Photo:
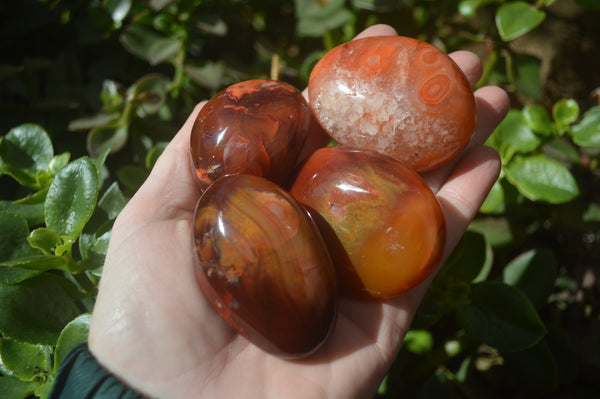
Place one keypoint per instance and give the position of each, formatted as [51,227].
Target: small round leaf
[73,334]
[515,18]
[542,179]
[565,111]
[537,119]
[587,132]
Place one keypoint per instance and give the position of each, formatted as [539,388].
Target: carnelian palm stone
[383,225]
[397,96]
[256,126]
[263,265]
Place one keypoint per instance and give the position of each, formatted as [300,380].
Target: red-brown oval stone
[383,225]
[257,127]
[263,265]
[397,96]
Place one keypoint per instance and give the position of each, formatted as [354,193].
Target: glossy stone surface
[397,96]
[257,127]
[264,266]
[385,229]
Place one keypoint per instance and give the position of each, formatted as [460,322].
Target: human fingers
[469,63]
[377,30]
[465,190]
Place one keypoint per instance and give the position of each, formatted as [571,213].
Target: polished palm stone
[397,96]
[257,127]
[263,265]
[384,227]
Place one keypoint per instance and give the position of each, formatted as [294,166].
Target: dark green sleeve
[80,376]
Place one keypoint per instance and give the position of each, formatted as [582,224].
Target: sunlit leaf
[565,111]
[537,119]
[587,132]
[540,178]
[72,197]
[74,333]
[515,18]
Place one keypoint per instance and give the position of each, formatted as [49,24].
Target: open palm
[153,328]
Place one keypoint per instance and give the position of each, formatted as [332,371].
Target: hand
[153,328]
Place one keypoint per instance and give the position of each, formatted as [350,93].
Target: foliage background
[515,311]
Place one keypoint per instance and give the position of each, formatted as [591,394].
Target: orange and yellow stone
[383,225]
[397,96]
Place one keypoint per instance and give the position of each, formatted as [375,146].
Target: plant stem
[488,68]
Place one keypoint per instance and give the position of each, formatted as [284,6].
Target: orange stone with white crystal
[397,96]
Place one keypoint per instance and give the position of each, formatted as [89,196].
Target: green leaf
[113,136]
[74,333]
[72,197]
[527,76]
[513,135]
[537,119]
[561,150]
[118,10]
[210,75]
[14,388]
[534,272]
[131,176]
[316,18]
[30,208]
[94,121]
[13,236]
[149,93]
[418,341]
[542,179]
[587,132]
[44,239]
[376,5]
[516,18]
[498,231]
[149,45]
[565,111]
[113,201]
[494,202]
[154,153]
[38,262]
[15,274]
[468,8]
[501,316]
[467,259]
[24,152]
[58,162]
[36,310]
[28,362]
[43,391]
